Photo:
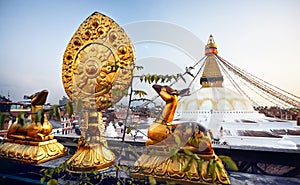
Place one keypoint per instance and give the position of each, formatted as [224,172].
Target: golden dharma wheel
[98,63]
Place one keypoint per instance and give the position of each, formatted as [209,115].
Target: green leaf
[152,78]
[43,169]
[200,164]
[163,79]
[169,78]
[142,77]
[128,130]
[188,152]
[2,120]
[52,182]
[39,117]
[175,78]
[42,180]
[177,140]
[50,114]
[79,106]
[208,167]
[175,155]
[196,157]
[139,67]
[188,165]
[95,172]
[56,111]
[152,180]
[213,170]
[64,166]
[183,79]
[69,108]
[118,167]
[170,183]
[229,162]
[148,78]
[189,175]
[140,93]
[21,119]
[172,152]
[58,171]
[51,171]
[156,78]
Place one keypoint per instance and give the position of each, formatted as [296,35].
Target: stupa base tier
[31,152]
[203,169]
[91,157]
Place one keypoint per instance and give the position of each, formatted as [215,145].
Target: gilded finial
[211,76]
[211,46]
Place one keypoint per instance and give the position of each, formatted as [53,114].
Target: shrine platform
[249,161]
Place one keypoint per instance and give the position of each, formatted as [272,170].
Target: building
[63,101]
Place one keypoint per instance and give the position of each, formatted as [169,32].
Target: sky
[261,37]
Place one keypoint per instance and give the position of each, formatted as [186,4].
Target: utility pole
[298,116]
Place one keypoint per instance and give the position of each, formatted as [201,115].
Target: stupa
[222,109]
[111,131]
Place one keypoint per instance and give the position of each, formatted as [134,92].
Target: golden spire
[211,76]
[211,46]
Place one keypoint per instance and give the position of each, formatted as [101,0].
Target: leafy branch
[160,78]
[2,120]
[141,99]
[54,110]
[139,92]
[229,162]
[21,118]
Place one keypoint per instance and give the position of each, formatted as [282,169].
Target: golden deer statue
[33,129]
[30,140]
[163,127]
[193,152]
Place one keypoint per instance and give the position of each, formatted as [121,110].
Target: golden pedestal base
[92,152]
[31,152]
[163,167]
[91,157]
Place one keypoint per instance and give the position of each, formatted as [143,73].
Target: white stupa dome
[216,99]
[214,106]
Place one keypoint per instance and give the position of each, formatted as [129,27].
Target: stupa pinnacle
[211,46]
[211,76]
